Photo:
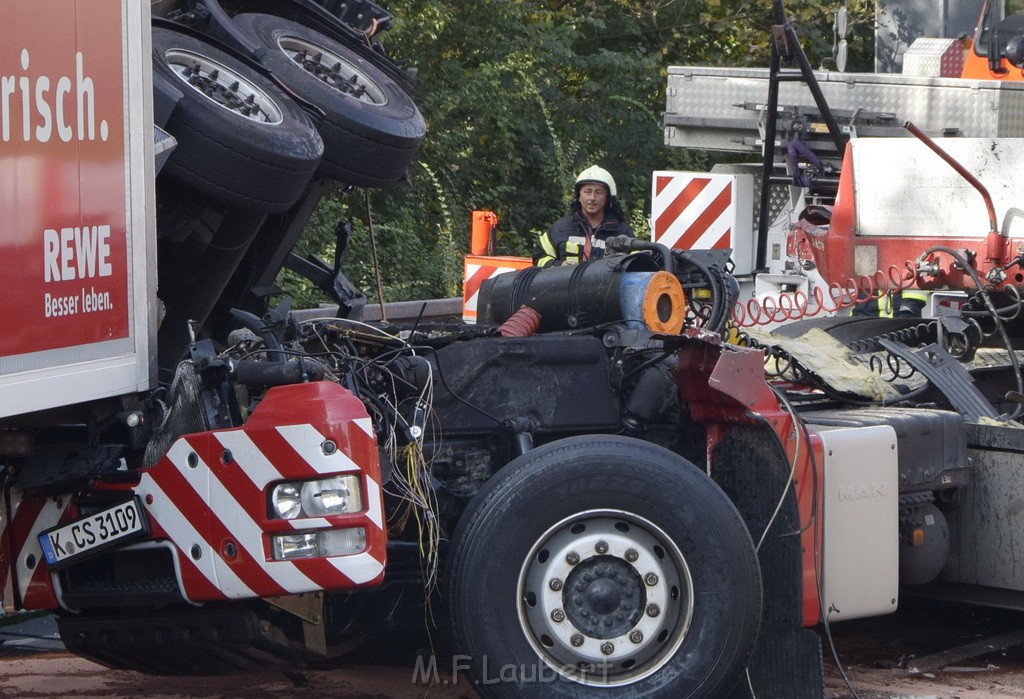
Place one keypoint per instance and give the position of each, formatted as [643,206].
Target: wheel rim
[224,87]
[605,597]
[332,69]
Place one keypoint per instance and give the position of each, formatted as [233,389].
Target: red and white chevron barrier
[30,587]
[208,500]
[700,211]
[479,268]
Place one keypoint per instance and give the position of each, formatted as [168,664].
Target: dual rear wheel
[244,142]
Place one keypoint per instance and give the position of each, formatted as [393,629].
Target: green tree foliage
[519,96]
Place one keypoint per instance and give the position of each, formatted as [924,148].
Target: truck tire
[602,567]
[371,127]
[258,159]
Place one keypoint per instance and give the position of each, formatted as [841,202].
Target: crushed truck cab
[607,485]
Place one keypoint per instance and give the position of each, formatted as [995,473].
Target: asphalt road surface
[923,651]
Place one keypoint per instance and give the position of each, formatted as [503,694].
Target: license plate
[94,533]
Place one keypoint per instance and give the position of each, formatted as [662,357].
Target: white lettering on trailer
[76,253]
[93,301]
[57,306]
[50,106]
[63,130]
[6,90]
[90,301]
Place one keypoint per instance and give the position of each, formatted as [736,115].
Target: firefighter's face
[593,198]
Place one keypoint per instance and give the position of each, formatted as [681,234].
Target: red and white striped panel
[693,211]
[210,505]
[28,583]
[479,268]
[6,579]
[701,211]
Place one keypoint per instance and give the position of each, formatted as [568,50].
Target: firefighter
[593,217]
[903,304]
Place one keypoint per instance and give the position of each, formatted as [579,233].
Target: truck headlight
[325,542]
[286,500]
[321,498]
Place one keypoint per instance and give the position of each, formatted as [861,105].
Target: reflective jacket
[565,241]
[902,304]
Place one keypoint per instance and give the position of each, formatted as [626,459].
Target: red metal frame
[724,386]
[834,254]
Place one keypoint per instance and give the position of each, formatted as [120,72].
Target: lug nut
[557,616]
[572,558]
[653,610]
[651,579]
[632,555]
[576,639]
[601,547]
[636,636]
[555,584]
[607,648]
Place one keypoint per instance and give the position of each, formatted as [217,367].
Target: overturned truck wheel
[371,128]
[241,140]
[602,566]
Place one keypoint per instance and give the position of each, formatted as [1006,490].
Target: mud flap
[787,659]
[787,663]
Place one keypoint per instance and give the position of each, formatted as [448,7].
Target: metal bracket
[309,607]
[948,376]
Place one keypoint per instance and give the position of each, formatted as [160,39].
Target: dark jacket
[902,304]
[565,241]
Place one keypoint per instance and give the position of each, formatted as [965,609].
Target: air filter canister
[608,290]
[656,298]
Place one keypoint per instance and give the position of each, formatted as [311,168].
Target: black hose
[624,242]
[1014,362]
[251,322]
[276,373]
[721,300]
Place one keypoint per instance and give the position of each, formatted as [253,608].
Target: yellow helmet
[598,175]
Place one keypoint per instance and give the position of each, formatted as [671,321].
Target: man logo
[859,491]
